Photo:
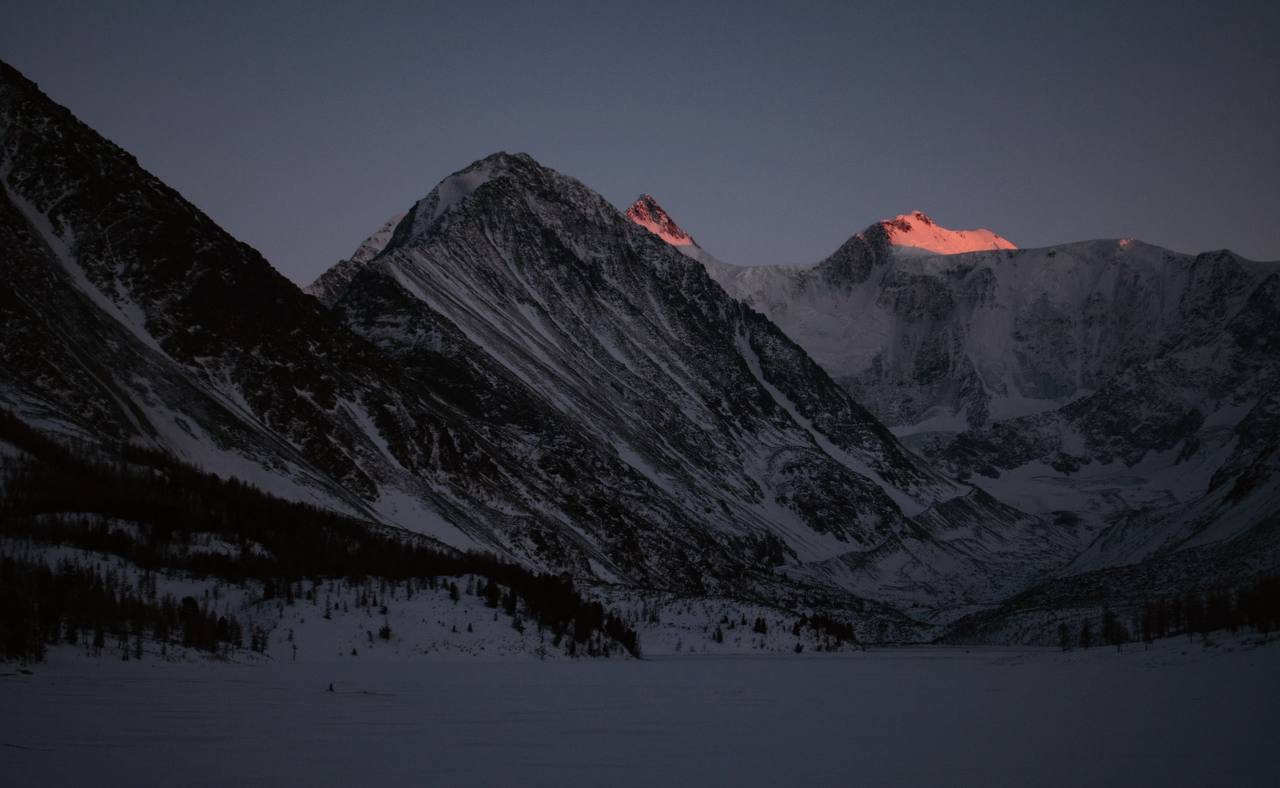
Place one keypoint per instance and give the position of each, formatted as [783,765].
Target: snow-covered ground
[1176,715]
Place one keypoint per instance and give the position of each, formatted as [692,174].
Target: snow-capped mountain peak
[420,220]
[647,213]
[455,189]
[916,231]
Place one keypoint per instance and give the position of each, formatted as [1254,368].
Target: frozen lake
[893,717]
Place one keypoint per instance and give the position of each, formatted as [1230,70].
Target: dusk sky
[771,132]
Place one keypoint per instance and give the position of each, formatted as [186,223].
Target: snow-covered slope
[1105,383]
[916,232]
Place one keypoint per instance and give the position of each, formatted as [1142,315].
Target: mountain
[514,367]
[131,315]
[1111,384]
[512,265]
[134,317]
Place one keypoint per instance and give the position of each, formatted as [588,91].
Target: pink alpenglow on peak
[646,212]
[916,231]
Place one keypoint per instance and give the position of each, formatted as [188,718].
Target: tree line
[1254,605]
[59,494]
[84,604]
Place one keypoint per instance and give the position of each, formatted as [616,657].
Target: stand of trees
[81,604]
[58,495]
[1254,605]
[836,631]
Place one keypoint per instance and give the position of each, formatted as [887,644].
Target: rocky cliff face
[646,213]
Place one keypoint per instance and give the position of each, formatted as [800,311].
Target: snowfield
[1179,714]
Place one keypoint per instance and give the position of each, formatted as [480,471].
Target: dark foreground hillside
[85,536]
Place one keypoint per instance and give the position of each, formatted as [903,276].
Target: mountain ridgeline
[514,367]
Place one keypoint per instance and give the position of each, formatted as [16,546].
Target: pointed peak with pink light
[647,213]
[916,231]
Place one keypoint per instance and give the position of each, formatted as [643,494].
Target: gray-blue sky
[771,131]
